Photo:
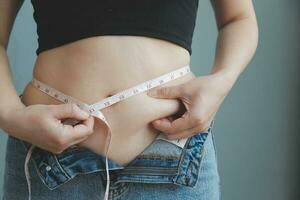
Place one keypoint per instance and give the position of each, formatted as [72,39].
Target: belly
[94,68]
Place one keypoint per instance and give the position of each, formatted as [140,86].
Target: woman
[95,49]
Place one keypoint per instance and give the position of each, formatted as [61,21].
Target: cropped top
[63,21]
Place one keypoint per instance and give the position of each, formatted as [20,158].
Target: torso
[90,69]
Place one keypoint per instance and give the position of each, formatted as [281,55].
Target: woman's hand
[41,125]
[201,96]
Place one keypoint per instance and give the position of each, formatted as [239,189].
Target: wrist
[226,77]
[6,113]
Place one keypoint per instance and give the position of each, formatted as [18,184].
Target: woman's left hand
[201,96]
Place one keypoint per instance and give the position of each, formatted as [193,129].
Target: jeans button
[48,168]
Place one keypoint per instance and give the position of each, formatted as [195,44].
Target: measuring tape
[94,110]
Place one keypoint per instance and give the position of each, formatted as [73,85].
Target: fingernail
[156,122]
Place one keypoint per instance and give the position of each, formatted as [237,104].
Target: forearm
[236,45]
[9,96]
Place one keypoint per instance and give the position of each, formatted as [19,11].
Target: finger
[89,122]
[79,131]
[192,131]
[69,110]
[166,92]
[187,133]
[170,118]
[172,127]
[87,128]
[78,140]
[162,124]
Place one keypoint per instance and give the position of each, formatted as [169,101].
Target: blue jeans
[162,171]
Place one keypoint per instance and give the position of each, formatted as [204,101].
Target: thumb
[69,110]
[166,92]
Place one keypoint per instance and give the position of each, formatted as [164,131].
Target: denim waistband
[181,167]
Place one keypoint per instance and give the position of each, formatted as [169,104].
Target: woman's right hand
[41,125]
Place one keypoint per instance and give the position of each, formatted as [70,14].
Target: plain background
[256,126]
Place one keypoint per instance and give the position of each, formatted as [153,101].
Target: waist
[107,64]
[92,76]
[97,67]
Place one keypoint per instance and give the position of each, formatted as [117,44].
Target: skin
[200,96]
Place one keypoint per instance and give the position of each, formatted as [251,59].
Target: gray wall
[256,127]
